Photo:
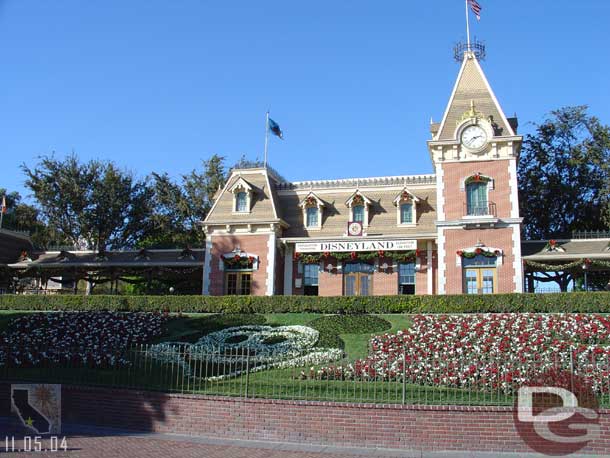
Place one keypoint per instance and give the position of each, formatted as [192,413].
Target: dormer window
[358,205]
[406,208]
[406,213]
[242,196]
[312,217]
[312,207]
[358,213]
[241,201]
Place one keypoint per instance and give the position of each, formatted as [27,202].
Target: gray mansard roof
[275,201]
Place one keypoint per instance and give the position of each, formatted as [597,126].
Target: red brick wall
[455,198]
[385,283]
[254,244]
[330,283]
[426,428]
[457,239]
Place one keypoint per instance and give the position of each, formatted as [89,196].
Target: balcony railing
[480,209]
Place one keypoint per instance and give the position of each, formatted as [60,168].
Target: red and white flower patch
[488,351]
[65,339]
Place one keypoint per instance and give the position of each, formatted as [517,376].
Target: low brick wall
[366,425]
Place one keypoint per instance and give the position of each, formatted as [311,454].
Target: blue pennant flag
[275,128]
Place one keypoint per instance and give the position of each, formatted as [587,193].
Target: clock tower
[475,149]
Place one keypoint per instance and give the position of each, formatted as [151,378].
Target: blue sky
[161,85]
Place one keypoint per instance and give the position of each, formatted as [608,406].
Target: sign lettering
[349,246]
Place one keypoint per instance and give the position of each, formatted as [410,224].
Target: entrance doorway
[358,279]
[480,276]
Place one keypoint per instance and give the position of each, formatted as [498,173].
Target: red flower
[418,252]
[354,255]
[327,254]
[459,253]
[478,251]
[552,242]
[381,253]
[237,257]
[297,255]
[251,259]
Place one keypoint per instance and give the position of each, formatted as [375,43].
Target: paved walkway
[88,442]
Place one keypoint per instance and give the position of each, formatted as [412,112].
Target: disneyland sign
[343,246]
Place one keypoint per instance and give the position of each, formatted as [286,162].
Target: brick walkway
[86,442]
[106,444]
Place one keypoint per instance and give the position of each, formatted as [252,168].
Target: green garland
[568,266]
[477,252]
[399,256]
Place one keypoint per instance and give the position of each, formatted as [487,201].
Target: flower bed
[235,350]
[93,339]
[497,352]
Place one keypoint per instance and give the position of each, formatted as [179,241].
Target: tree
[24,217]
[179,207]
[564,179]
[92,205]
[564,175]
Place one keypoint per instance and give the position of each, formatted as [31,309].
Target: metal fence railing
[240,372]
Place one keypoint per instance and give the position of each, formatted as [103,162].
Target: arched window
[312,216]
[358,213]
[476,198]
[406,213]
[241,201]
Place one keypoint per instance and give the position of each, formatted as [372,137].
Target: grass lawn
[190,327]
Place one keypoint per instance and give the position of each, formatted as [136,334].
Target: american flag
[476,8]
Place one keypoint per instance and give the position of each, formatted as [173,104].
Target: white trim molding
[271,254]
[441,271]
[517,261]
[430,267]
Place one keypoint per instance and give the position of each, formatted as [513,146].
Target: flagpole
[467,25]
[266,138]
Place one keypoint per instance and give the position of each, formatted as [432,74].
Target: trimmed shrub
[585,302]
[330,326]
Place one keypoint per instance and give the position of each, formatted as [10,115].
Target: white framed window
[312,207]
[312,216]
[358,213]
[406,213]
[242,196]
[358,205]
[241,201]
[406,208]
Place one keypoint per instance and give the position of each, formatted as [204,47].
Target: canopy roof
[125,259]
[565,249]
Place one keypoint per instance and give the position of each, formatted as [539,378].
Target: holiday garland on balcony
[398,256]
[477,252]
[239,262]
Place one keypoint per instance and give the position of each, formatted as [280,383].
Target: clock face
[474,137]
[354,228]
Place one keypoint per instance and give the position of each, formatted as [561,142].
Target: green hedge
[556,302]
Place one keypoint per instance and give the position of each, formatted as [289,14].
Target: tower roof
[471,88]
